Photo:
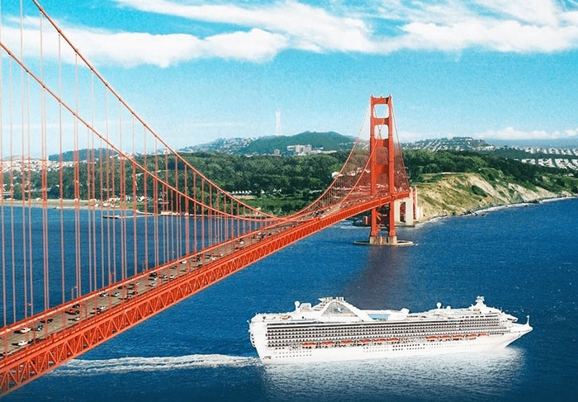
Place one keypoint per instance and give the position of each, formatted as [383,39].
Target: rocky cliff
[459,194]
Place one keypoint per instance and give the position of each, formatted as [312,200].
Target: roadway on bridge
[36,329]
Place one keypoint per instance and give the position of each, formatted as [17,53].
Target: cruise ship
[335,330]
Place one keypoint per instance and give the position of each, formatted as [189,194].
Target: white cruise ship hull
[334,330]
[384,350]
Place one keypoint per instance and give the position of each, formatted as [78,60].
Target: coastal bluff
[452,194]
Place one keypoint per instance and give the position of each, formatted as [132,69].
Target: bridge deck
[86,322]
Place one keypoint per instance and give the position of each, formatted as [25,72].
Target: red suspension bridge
[119,226]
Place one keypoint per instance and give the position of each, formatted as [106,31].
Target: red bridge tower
[388,178]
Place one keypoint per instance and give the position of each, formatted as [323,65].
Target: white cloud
[503,36]
[407,136]
[510,133]
[130,49]
[306,27]
[257,33]
[539,12]
[520,26]
[256,45]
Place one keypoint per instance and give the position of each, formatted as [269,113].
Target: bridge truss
[118,226]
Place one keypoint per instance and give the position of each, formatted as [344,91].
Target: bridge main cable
[127,227]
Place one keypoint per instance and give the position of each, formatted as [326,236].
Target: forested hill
[288,175]
[319,142]
[284,184]
[492,167]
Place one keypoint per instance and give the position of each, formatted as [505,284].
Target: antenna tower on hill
[278,122]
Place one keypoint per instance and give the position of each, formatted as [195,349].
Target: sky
[199,70]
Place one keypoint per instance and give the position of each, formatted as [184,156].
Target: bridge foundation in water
[385,241]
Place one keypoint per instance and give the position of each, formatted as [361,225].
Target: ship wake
[142,364]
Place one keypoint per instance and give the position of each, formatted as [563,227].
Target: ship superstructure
[335,330]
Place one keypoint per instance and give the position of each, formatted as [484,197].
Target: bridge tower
[382,169]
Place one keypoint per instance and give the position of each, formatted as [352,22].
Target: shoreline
[65,204]
[69,204]
[477,212]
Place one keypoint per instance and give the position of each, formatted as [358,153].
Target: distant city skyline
[196,71]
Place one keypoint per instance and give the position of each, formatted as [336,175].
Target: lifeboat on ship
[471,336]
[392,340]
[308,344]
[327,343]
[445,338]
[346,342]
[457,337]
[431,338]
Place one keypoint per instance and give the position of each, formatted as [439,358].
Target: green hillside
[282,184]
[320,142]
[329,141]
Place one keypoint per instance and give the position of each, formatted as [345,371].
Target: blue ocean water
[523,259]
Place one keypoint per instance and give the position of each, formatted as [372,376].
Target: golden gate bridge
[119,226]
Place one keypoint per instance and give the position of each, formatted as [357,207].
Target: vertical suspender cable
[175,232]
[44,173]
[112,223]
[166,221]
[156,207]
[90,196]
[106,196]
[101,195]
[202,205]
[187,208]
[218,217]
[166,209]
[76,184]
[2,190]
[195,206]
[22,166]
[27,203]
[61,181]
[12,188]
[122,198]
[210,216]
[145,201]
[134,206]
[166,206]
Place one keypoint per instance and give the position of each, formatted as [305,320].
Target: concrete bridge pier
[385,241]
[376,221]
[395,215]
